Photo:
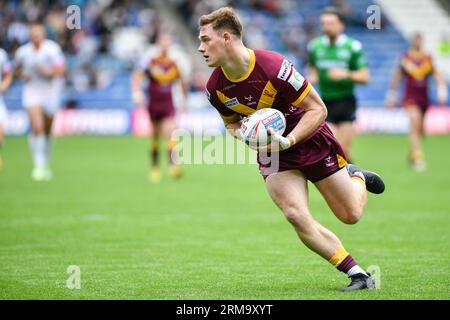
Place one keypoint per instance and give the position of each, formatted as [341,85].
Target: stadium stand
[429,18]
[98,73]
[99,68]
[287,26]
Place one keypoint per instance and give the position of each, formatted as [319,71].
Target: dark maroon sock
[346,264]
[154,155]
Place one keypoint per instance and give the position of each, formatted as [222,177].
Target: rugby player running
[309,151]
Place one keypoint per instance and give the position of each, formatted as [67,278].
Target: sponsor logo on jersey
[296,80]
[343,54]
[249,99]
[231,102]
[229,87]
[320,52]
[284,70]
[269,94]
[328,64]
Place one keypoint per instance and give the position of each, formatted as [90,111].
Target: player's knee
[353,216]
[296,215]
[350,219]
[37,130]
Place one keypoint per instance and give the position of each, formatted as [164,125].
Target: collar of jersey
[340,40]
[249,71]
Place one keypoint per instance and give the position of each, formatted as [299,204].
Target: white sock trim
[355,270]
[37,147]
[360,175]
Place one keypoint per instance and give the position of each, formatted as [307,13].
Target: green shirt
[345,53]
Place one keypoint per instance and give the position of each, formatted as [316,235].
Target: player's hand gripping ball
[254,127]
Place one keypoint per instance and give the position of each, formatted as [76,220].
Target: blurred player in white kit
[5,82]
[41,64]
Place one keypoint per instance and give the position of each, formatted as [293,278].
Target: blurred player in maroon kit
[246,80]
[416,67]
[164,67]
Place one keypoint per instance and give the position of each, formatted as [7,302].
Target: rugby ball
[254,127]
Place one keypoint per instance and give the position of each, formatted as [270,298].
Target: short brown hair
[334,11]
[223,19]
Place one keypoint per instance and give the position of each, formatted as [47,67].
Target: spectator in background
[416,67]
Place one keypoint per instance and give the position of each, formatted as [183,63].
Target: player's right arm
[392,94]
[7,74]
[234,129]
[57,65]
[313,76]
[231,119]
[232,123]
[17,62]
[137,94]
[139,74]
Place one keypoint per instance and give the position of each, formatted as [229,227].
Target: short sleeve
[290,84]
[358,59]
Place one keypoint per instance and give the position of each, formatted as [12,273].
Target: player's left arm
[298,92]
[315,114]
[361,76]
[6,82]
[442,91]
[359,70]
[58,66]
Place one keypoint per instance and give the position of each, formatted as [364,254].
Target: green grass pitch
[215,234]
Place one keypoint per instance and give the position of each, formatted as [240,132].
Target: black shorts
[341,110]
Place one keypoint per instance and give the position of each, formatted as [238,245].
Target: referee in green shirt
[337,62]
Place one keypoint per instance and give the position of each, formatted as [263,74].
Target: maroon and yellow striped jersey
[417,68]
[270,82]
